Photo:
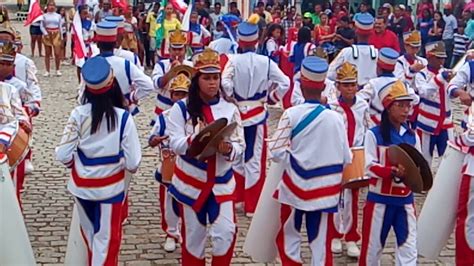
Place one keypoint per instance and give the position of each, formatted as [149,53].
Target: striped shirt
[461,42]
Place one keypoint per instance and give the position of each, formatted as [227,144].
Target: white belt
[245,106]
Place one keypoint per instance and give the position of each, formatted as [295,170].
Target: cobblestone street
[48,205]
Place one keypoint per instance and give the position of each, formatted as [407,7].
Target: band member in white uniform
[205,189]
[355,112]
[247,78]
[311,184]
[410,63]
[133,82]
[227,44]
[361,54]
[169,208]
[434,121]
[100,144]
[390,204]
[161,73]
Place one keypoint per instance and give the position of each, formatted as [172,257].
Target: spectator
[291,38]
[345,35]
[410,26]
[469,7]
[276,15]
[307,21]
[461,44]
[315,16]
[169,23]
[436,31]
[382,37]
[105,11]
[387,13]
[424,5]
[204,17]
[448,33]
[216,15]
[288,21]
[322,32]
[363,9]
[271,42]
[151,27]
[268,14]
[469,31]
[425,23]
[302,48]
[398,24]
[233,10]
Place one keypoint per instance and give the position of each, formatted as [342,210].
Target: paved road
[48,206]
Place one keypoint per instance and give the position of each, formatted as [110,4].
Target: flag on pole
[34,12]
[187,17]
[123,4]
[80,50]
[179,5]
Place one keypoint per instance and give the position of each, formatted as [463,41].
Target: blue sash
[307,120]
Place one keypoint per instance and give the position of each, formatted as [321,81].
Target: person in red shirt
[424,4]
[382,37]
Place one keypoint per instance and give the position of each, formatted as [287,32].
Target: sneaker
[46,74]
[29,167]
[353,250]
[170,244]
[336,246]
[58,73]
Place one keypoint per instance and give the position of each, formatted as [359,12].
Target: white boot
[170,244]
[336,246]
[353,250]
[29,167]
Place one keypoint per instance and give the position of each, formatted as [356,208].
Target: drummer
[355,112]
[179,87]
[11,113]
[311,184]
[389,202]
[205,189]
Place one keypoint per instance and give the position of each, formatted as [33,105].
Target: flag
[123,4]
[187,17]
[179,5]
[34,12]
[79,45]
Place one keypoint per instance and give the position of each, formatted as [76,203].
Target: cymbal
[421,163]
[202,138]
[412,179]
[182,69]
[212,146]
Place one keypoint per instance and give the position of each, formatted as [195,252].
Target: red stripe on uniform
[189,180]
[96,182]
[252,113]
[285,212]
[311,194]
[366,227]
[351,124]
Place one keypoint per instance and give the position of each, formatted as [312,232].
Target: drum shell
[438,215]
[167,166]
[355,171]
[260,241]
[19,148]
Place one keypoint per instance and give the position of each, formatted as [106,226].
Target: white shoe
[170,244]
[46,74]
[58,73]
[29,167]
[353,250]
[336,246]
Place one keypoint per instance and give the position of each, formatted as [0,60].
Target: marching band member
[355,112]
[363,55]
[205,189]
[310,185]
[434,122]
[199,36]
[161,74]
[12,114]
[246,78]
[410,63]
[118,51]
[227,44]
[389,202]
[51,28]
[178,89]
[133,82]
[100,143]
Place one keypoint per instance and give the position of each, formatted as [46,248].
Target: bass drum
[260,241]
[19,148]
[438,214]
[15,246]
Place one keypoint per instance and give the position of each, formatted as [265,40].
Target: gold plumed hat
[180,83]
[7,51]
[177,38]
[207,61]
[436,49]
[394,91]
[346,73]
[319,52]
[412,38]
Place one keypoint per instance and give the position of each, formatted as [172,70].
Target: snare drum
[19,148]
[353,174]
[167,165]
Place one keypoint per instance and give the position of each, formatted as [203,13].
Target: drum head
[212,146]
[206,135]
[413,180]
[421,163]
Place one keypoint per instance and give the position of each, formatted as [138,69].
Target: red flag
[123,4]
[79,45]
[34,12]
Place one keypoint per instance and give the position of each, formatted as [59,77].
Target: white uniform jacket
[247,77]
[193,181]
[356,119]
[25,70]
[99,160]
[296,97]
[434,112]
[363,56]
[163,98]
[402,68]
[130,56]
[11,112]
[28,99]
[310,182]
